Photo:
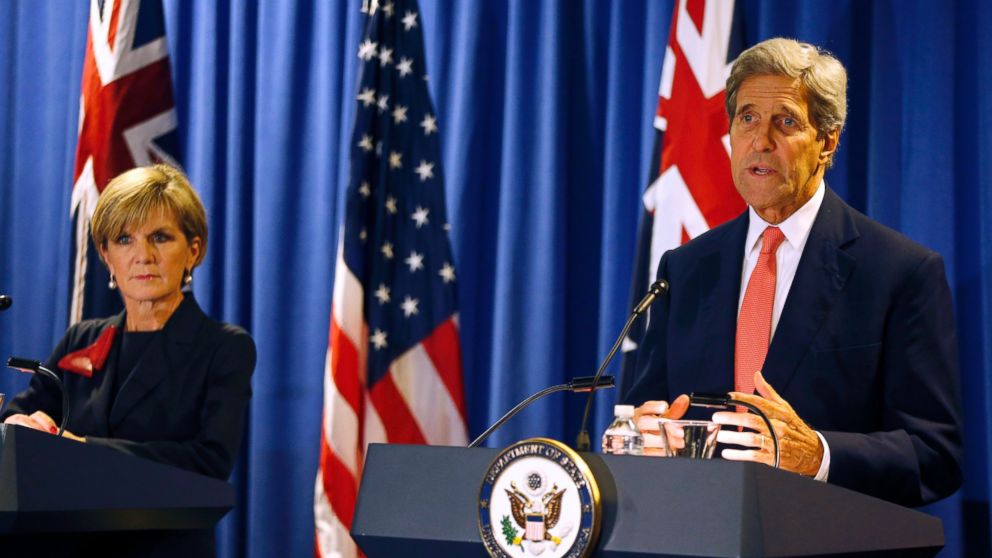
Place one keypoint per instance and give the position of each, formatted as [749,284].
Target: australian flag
[691,189]
[127,119]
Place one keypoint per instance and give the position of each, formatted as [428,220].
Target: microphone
[657,289]
[5,302]
[585,383]
[35,367]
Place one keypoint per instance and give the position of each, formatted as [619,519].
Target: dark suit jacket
[865,349]
[183,404]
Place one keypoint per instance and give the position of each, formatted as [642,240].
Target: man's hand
[800,447]
[647,416]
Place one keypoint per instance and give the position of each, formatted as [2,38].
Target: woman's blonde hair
[133,196]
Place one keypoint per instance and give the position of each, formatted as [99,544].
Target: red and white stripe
[420,401]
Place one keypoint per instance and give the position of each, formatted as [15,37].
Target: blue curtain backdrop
[545,110]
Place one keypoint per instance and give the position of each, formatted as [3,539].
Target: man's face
[775,157]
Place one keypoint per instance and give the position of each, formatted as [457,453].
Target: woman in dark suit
[161,380]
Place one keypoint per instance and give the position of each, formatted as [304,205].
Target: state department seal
[539,498]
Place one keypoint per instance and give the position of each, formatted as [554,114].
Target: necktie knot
[771,239]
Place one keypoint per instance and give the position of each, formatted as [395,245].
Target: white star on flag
[365,190]
[420,216]
[409,306]
[387,250]
[362,235]
[391,205]
[367,97]
[429,124]
[382,293]
[425,170]
[385,56]
[415,261]
[447,273]
[366,51]
[382,104]
[399,114]
[395,160]
[388,9]
[366,143]
[378,339]
[410,20]
[405,67]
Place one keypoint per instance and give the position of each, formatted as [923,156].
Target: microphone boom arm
[657,289]
[35,367]
[584,383]
[722,400]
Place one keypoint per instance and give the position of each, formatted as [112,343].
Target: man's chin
[761,193]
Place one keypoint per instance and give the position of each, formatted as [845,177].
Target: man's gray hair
[822,76]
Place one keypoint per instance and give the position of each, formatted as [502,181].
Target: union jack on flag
[691,188]
[393,367]
[126,119]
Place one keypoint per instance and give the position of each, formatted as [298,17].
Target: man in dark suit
[849,320]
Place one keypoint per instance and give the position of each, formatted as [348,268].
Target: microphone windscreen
[24,364]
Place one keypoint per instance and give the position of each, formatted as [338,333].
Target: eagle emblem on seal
[536,510]
[539,499]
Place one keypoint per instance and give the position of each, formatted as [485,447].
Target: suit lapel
[824,268]
[718,277]
[167,354]
[101,398]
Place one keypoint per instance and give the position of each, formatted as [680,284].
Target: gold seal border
[579,463]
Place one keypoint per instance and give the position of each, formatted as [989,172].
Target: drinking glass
[695,439]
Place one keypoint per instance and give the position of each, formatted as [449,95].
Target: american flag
[393,367]
[691,189]
[126,119]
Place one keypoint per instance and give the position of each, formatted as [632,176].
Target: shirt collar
[795,228]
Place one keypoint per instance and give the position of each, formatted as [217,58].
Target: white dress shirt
[796,230]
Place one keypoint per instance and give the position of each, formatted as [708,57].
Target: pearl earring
[112,284]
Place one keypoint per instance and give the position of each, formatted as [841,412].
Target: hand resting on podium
[39,420]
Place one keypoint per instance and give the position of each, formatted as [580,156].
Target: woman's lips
[145,277]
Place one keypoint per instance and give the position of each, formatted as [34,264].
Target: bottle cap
[623,411]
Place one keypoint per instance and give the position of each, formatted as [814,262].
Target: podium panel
[423,501]
[51,485]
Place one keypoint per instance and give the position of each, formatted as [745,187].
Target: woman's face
[148,259]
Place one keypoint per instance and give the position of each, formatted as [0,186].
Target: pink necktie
[754,325]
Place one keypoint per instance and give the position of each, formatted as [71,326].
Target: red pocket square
[86,360]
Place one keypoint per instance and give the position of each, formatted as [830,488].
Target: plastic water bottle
[623,437]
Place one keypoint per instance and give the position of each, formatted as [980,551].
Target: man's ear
[830,141]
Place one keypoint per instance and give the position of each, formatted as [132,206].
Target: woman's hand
[40,420]
[37,420]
